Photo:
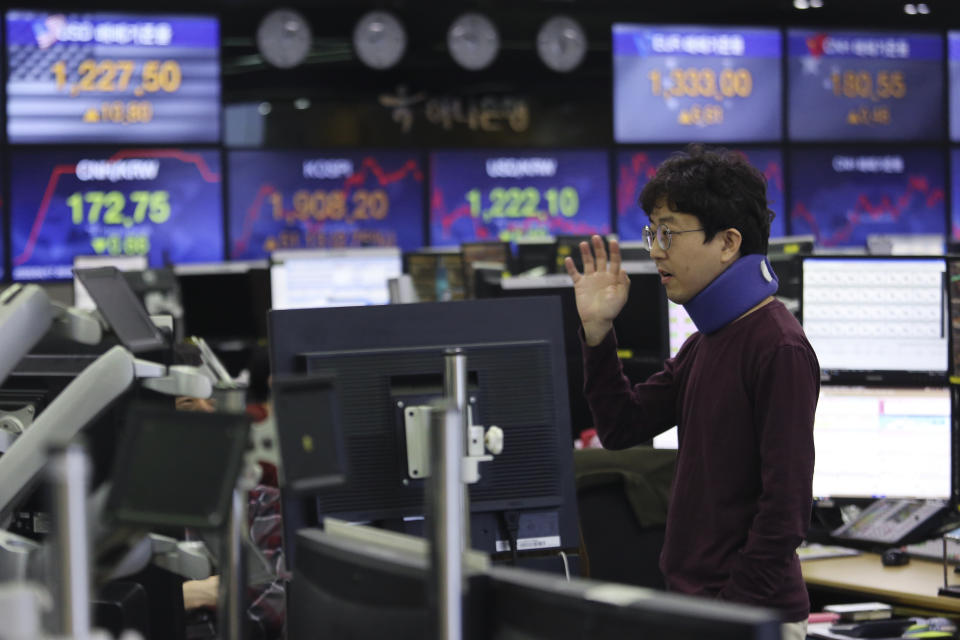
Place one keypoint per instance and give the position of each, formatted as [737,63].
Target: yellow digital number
[853,83]
[523,202]
[692,82]
[114,76]
[87,207]
[370,205]
[161,76]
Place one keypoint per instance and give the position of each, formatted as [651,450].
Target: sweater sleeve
[625,415]
[786,399]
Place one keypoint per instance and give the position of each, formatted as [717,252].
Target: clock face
[379,40]
[561,43]
[284,38]
[473,41]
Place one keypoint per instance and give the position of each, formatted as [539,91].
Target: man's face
[689,264]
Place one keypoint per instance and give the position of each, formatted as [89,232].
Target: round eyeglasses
[664,236]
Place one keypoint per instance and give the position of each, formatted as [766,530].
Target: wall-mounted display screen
[953,54]
[110,77]
[635,168]
[507,195]
[855,85]
[675,83]
[162,203]
[313,199]
[843,195]
[955,202]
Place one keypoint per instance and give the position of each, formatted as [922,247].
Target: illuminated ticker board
[508,195]
[953,54]
[113,78]
[162,203]
[853,85]
[843,194]
[677,83]
[323,199]
[636,167]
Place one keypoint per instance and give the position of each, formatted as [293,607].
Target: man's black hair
[717,186]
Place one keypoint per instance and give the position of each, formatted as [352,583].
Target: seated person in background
[266,609]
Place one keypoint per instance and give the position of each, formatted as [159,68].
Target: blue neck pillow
[735,291]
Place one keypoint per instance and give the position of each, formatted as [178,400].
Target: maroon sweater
[744,399]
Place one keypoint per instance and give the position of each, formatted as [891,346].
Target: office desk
[913,585]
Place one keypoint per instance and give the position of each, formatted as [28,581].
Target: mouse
[894,557]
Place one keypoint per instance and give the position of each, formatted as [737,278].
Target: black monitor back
[525,605]
[387,357]
[226,305]
[535,253]
[122,309]
[641,328]
[343,588]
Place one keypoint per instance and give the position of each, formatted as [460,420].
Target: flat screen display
[165,204]
[675,83]
[955,203]
[953,62]
[876,315]
[112,77]
[901,438]
[842,195]
[315,199]
[635,168]
[507,195]
[859,85]
[333,277]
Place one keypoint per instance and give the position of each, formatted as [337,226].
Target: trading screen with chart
[882,442]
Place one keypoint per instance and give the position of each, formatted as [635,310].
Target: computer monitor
[387,358]
[786,257]
[876,442]
[877,319]
[352,587]
[437,273]
[906,244]
[310,430]
[569,246]
[225,301]
[161,481]
[641,328]
[122,309]
[680,326]
[347,587]
[535,253]
[486,253]
[332,277]
[953,295]
[528,605]
[82,299]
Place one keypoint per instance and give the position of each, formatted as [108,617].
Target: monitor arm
[75,324]
[175,380]
[481,443]
[80,402]
[25,316]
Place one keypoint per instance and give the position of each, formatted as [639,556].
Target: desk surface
[914,584]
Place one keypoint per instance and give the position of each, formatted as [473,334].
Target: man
[742,390]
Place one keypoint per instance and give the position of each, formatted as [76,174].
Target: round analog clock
[473,41]
[379,39]
[284,38]
[561,43]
